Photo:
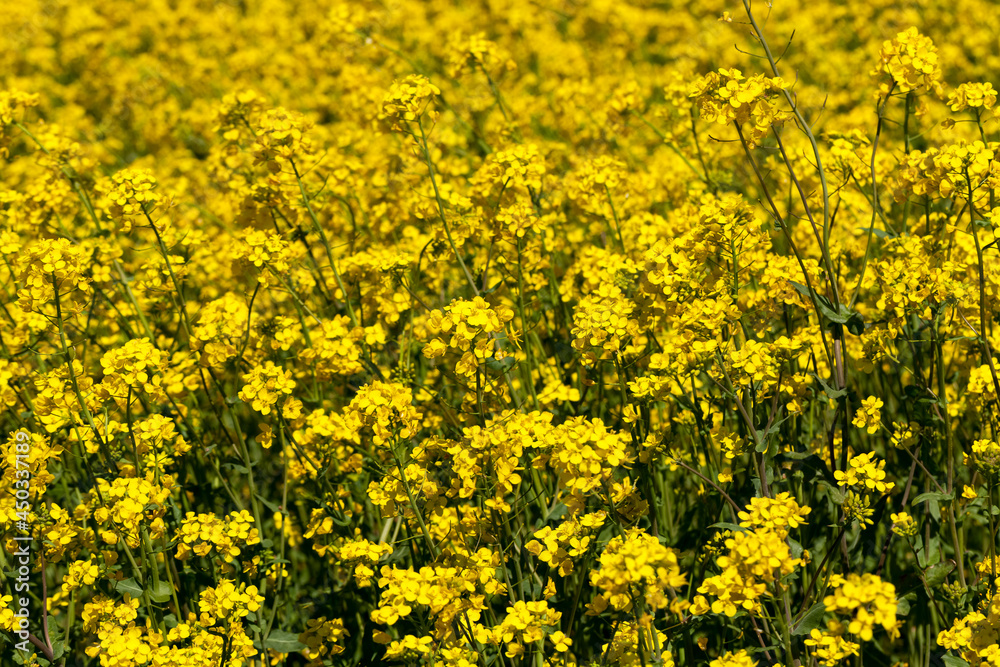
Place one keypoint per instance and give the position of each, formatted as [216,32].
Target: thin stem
[440,205]
[874,199]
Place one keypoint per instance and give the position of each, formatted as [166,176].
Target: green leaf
[932,495]
[800,288]
[500,365]
[283,642]
[902,607]
[831,393]
[835,494]
[826,308]
[928,555]
[58,650]
[795,456]
[810,620]
[856,324]
[936,574]
[728,526]
[842,315]
[161,592]
[267,503]
[775,429]
[129,586]
[558,511]
[952,661]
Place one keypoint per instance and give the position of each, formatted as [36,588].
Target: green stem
[440,205]
[326,243]
[874,199]
[182,302]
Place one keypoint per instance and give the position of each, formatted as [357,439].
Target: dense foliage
[499,333]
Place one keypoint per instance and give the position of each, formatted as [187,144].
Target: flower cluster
[865,473]
[365,554]
[266,249]
[986,457]
[279,139]
[726,96]
[869,415]
[446,592]
[49,269]
[636,564]
[972,96]
[779,514]
[753,362]
[976,636]
[136,367]
[903,524]
[228,602]
[561,547]
[911,61]
[754,560]
[12,106]
[586,453]
[265,386]
[406,102]
[866,601]
[132,196]
[951,171]
[473,327]
[199,534]
[524,625]
[476,52]
[322,638]
[604,323]
[830,646]
[387,409]
[127,503]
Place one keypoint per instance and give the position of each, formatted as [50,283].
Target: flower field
[500,333]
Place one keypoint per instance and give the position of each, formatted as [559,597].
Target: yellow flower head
[911,60]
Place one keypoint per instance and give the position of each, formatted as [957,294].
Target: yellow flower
[831,647]
[869,415]
[227,601]
[727,97]
[904,525]
[986,457]
[972,96]
[279,139]
[866,473]
[866,601]
[739,659]
[12,105]
[779,514]
[637,563]
[911,60]
[560,641]
[754,559]
[132,196]
[406,101]
[265,386]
